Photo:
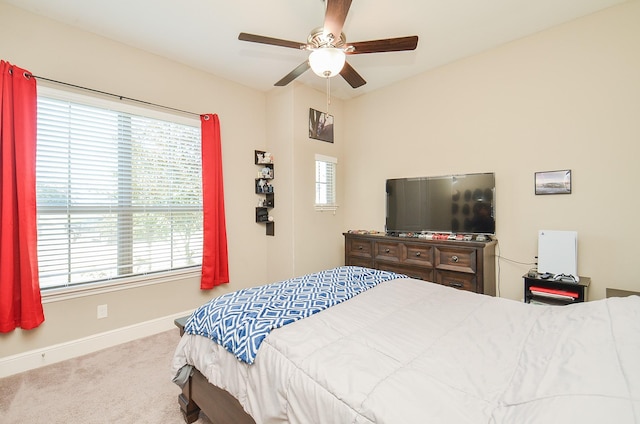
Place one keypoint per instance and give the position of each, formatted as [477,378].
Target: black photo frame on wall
[553,182]
[320,126]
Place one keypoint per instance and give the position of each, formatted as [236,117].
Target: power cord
[500,257]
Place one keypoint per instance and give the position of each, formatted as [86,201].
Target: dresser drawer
[418,255]
[457,280]
[456,259]
[357,261]
[425,274]
[388,251]
[359,247]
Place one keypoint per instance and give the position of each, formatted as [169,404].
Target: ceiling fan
[328,46]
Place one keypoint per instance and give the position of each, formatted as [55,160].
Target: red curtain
[215,263]
[20,301]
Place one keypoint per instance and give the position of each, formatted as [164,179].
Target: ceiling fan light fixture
[327,62]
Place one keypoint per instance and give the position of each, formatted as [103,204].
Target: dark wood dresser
[466,265]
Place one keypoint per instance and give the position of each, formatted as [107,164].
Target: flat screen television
[445,204]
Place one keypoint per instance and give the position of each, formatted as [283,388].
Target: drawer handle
[456,284]
[454,259]
[360,248]
[386,250]
[418,254]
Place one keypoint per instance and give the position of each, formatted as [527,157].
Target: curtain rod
[114,95]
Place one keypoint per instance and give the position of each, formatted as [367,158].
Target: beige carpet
[129,383]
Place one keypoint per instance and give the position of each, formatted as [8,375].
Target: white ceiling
[204,33]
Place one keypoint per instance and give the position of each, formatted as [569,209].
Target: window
[326,183]
[119,193]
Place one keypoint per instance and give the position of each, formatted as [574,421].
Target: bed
[410,351]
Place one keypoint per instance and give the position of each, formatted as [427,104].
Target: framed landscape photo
[553,182]
[320,126]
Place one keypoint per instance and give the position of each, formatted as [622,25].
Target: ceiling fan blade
[269,40]
[334,17]
[301,69]
[351,76]
[386,45]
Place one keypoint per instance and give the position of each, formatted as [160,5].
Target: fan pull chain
[328,94]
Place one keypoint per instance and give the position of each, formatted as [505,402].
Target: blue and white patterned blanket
[240,321]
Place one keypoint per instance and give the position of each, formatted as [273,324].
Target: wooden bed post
[217,404]
[190,411]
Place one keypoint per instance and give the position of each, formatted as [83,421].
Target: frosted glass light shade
[327,62]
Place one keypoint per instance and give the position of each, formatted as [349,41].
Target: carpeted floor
[128,383]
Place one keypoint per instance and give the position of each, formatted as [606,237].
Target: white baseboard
[37,358]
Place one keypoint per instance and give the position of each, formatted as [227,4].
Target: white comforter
[414,352]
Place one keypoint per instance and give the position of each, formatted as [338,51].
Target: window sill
[323,208]
[91,289]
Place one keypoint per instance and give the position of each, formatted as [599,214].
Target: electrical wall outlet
[103,312]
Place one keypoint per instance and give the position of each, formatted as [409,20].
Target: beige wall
[317,235]
[306,241]
[280,130]
[566,98]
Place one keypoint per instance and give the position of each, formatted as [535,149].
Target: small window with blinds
[118,193]
[326,183]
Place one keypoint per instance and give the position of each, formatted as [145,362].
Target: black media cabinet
[553,292]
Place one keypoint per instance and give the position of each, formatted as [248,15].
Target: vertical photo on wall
[320,126]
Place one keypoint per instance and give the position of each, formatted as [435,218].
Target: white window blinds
[326,183]
[118,194]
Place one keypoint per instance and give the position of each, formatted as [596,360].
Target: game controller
[565,278]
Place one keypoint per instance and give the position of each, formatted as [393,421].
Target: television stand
[463,264]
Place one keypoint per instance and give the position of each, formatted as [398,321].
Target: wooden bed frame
[200,395]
